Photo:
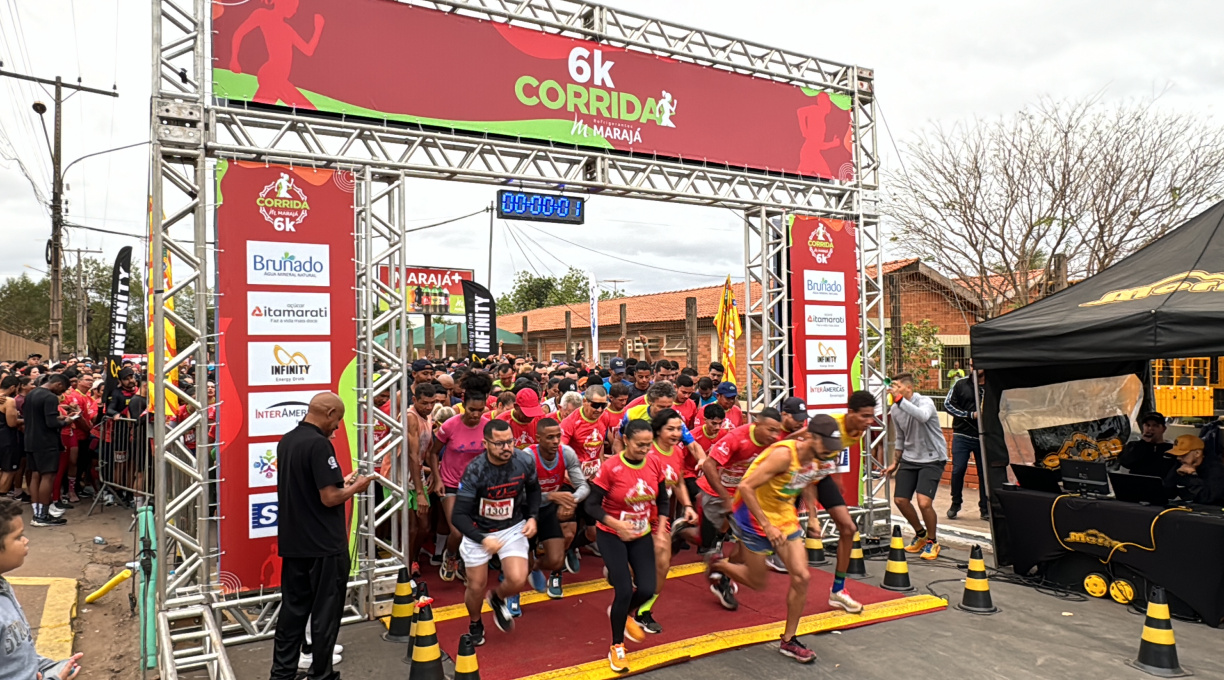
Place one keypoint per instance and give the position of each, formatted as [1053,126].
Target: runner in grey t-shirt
[918,463]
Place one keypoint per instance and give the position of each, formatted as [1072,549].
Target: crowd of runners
[529,468]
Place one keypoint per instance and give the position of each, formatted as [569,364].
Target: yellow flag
[727,322]
[171,343]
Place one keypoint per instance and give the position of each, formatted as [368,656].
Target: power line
[633,262]
[453,219]
[580,315]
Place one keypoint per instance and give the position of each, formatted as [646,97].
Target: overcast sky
[935,63]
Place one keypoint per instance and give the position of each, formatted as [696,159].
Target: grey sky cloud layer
[934,63]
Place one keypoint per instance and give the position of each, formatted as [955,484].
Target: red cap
[528,402]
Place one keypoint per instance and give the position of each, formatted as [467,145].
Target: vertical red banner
[285,315]
[825,336]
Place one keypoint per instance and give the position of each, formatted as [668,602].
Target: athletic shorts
[44,462]
[713,510]
[514,544]
[10,459]
[921,477]
[450,491]
[757,543]
[547,525]
[829,493]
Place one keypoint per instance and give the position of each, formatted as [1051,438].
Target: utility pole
[57,197]
[82,322]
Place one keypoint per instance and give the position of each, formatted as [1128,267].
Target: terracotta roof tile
[651,308]
[890,267]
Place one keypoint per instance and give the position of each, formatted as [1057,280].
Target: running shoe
[538,581]
[774,562]
[797,650]
[512,604]
[633,631]
[616,659]
[476,632]
[918,543]
[416,570]
[501,613]
[450,565]
[647,622]
[842,600]
[724,590]
[954,510]
[554,588]
[594,550]
[304,660]
[435,559]
[41,521]
[930,551]
[572,561]
[677,529]
[56,509]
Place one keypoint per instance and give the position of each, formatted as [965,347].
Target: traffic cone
[896,572]
[815,551]
[466,667]
[422,590]
[400,627]
[858,566]
[977,586]
[1157,651]
[426,654]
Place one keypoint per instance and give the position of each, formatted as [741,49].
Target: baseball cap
[617,365]
[1153,416]
[422,365]
[528,401]
[795,407]
[727,389]
[1185,444]
[825,427]
[567,385]
[125,373]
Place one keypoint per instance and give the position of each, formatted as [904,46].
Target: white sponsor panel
[261,464]
[263,515]
[824,320]
[826,355]
[288,363]
[288,313]
[824,286]
[272,414]
[828,389]
[288,264]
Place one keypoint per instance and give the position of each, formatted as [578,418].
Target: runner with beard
[559,502]
[628,499]
[456,444]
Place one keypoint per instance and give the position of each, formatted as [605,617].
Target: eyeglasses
[501,445]
[598,405]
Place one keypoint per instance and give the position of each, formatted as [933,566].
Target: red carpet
[562,633]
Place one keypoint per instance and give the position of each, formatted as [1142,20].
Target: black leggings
[621,557]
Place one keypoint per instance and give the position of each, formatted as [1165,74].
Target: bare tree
[989,202]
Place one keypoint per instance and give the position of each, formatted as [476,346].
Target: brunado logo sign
[1196,281]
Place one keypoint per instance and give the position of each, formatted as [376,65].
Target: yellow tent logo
[1196,281]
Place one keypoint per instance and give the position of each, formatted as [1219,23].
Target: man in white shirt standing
[918,462]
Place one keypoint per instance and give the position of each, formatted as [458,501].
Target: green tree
[531,291]
[919,347]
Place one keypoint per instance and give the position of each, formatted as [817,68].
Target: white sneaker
[304,661]
[55,510]
[842,600]
[774,562]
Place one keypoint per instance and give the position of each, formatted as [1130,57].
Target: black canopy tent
[1165,300]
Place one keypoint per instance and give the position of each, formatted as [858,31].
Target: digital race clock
[528,205]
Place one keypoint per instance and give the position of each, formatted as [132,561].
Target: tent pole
[984,471]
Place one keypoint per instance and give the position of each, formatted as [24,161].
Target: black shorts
[921,477]
[44,462]
[548,526]
[10,458]
[829,493]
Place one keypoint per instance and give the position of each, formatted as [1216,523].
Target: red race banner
[431,290]
[285,318]
[825,325]
[391,61]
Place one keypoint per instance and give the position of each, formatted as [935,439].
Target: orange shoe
[633,630]
[930,551]
[616,659]
[917,544]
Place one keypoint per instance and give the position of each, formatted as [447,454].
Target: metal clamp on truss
[178,123]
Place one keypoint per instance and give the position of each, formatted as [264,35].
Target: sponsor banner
[120,298]
[276,263]
[824,320]
[262,515]
[261,470]
[272,414]
[827,389]
[823,286]
[285,324]
[492,78]
[288,363]
[481,320]
[826,355]
[430,290]
[277,313]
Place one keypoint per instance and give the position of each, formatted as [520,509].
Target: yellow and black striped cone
[1157,651]
[815,551]
[426,654]
[466,667]
[858,565]
[896,571]
[400,627]
[977,586]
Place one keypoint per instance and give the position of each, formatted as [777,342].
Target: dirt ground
[105,631]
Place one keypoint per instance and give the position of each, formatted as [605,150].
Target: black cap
[825,427]
[795,407]
[422,365]
[125,373]
[567,385]
[1153,416]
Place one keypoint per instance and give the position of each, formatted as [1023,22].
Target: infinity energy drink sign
[391,61]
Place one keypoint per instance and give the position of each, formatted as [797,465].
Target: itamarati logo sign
[1196,281]
[283,204]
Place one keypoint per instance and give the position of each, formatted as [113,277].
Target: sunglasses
[597,405]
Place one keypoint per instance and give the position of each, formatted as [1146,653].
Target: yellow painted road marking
[54,639]
[712,643]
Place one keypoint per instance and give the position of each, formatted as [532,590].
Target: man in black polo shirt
[1149,455]
[312,540]
[43,423]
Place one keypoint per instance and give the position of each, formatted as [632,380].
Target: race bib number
[497,510]
[590,468]
[639,522]
[730,480]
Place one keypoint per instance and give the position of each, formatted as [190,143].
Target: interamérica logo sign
[1196,281]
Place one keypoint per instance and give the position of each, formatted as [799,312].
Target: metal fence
[125,457]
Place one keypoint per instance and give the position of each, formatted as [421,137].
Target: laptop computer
[1081,476]
[1036,478]
[1139,489]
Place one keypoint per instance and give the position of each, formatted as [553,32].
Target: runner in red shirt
[686,405]
[586,430]
[618,403]
[727,394]
[523,416]
[707,436]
